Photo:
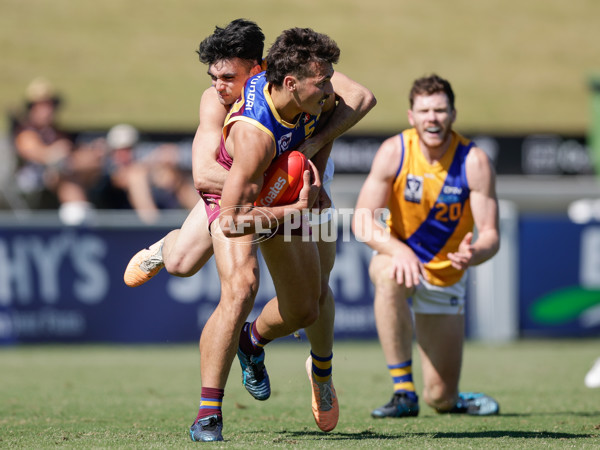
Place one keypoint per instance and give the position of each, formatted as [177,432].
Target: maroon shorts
[212,205]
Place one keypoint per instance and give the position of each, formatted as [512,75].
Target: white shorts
[431,299]
[328,178]
[327,214]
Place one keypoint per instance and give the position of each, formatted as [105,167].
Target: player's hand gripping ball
[283,180]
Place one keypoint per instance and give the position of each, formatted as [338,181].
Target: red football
[283,180]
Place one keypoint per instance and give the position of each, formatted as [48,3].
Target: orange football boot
[144,265]
[324,401]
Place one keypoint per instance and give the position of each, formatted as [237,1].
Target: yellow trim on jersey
[274,111]
[415,202]
[253,122]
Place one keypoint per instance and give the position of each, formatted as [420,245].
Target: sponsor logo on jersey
[452,190]
[451,194]
[284,142]
[251,93]
[413,192]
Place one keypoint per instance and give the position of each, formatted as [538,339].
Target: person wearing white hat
[150,184]
[122,136]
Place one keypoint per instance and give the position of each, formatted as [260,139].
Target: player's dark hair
[294,50]
[430,85]
[239,39]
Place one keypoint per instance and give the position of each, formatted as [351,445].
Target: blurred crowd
[54,170]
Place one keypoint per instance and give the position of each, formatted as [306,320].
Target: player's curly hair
[241,38]
[430,85]
[294,50]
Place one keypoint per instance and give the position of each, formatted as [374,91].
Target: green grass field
[147,396]
[516,66]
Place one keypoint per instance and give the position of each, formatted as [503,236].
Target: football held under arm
[252,151]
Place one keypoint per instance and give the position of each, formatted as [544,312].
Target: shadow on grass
[504,433]
[366,435]
[557,413]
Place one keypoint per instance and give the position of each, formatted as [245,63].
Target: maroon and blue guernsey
[255,106]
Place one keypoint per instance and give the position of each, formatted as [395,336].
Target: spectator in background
[52,172]
[42,149]
[147,185]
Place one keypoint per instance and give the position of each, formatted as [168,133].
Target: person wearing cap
[152,184]
[42,149]
[52,171]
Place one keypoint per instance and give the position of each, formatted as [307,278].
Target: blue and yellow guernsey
[255,106]
[429,205]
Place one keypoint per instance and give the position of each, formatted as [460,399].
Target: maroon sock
[251,342]
[210,402]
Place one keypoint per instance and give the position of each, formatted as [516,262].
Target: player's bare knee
[307,318]
[243,294]
[379,264]
[240,290]
[382,280]
[311,317]
[176,265]
[302,315]
[237,299]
